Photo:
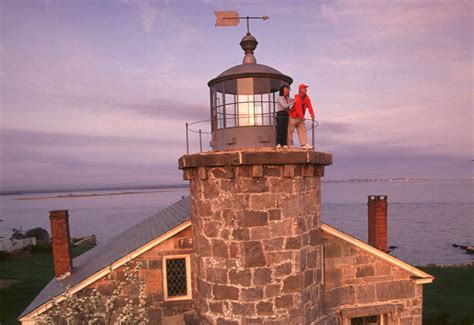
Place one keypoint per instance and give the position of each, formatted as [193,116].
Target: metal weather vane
[232,18]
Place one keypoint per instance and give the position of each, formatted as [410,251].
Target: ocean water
[102,215]
[425,216]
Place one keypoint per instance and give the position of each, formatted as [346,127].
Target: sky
[97,93]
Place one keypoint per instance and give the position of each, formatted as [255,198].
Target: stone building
[161,243]
[262,255]
[261,282]
[248,245]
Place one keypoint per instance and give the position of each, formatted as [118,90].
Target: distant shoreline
[73,196]
[179,186]
[376,180]
[94,189]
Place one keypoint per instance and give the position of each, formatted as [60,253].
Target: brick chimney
[378,230]
[256,235]
[61,243]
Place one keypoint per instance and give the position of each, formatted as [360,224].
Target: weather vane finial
[248,42]
[232,18]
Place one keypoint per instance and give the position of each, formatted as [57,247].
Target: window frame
[189,294]
[380,319]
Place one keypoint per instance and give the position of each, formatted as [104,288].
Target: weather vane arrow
[232,18]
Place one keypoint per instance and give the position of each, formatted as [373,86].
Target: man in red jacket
[302,102]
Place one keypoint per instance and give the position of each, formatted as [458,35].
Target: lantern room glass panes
[258,109]
[220,109]
[230,111]
[245,102]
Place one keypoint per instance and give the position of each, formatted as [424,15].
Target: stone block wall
[357,283]
[256,236]
[159,311]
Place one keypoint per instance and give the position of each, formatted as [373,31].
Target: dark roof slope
[96,259]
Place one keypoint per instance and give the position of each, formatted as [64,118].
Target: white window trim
[188,278]
[323,278]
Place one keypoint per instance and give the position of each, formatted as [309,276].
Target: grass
[22,278]
[450,298]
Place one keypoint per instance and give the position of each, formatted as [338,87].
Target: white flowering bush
[91,308]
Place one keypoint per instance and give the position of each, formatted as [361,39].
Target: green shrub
[467,321]
[4,255]
[438,318]
[17,233]
[38,233]
[39,248]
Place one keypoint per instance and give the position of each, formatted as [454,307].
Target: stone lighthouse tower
[255,210]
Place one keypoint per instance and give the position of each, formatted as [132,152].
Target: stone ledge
[264,156]
[369,310]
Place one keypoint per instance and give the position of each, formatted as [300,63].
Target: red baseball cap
[301,86]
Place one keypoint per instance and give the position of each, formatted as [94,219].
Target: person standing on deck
[297,113]
[282,116]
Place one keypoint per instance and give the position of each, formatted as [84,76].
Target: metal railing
[200,131]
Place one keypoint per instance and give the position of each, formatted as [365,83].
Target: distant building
[11,245]
[247,246]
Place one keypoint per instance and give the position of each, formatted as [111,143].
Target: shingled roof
[123,244]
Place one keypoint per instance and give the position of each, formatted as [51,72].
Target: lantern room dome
[250,70]
[244,102]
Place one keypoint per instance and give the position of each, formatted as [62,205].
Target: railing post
[274,122]
[187,139]
[312,133]
[200,140]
